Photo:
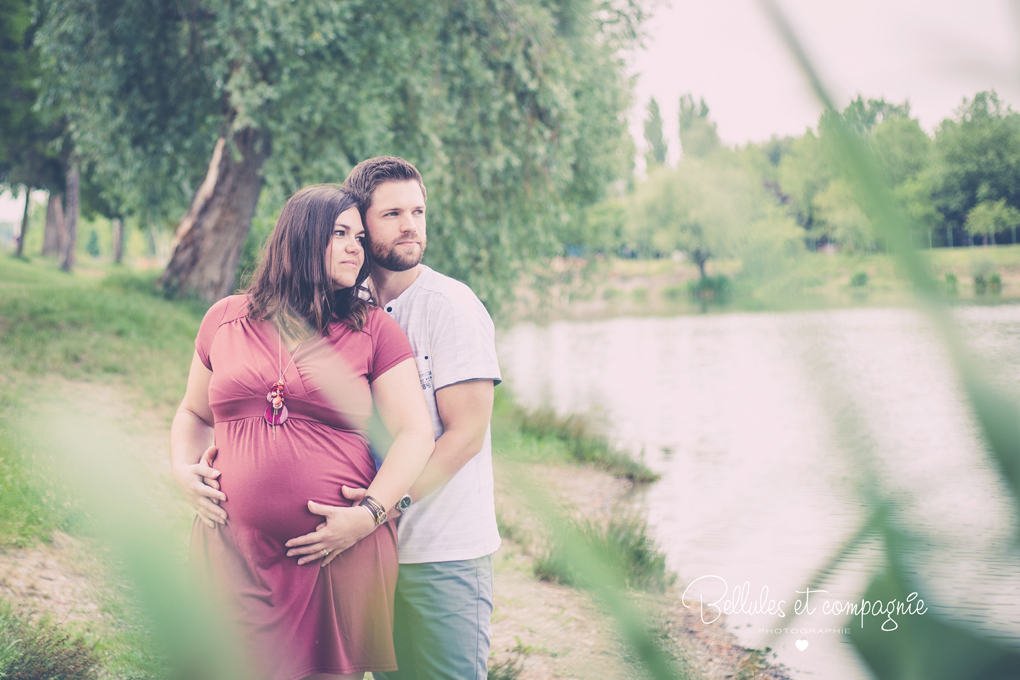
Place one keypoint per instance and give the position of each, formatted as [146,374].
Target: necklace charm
[276,412]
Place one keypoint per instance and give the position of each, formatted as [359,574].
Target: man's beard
[390,260]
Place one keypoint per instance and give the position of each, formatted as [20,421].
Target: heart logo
[802,645]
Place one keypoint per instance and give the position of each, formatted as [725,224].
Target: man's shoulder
[439,287]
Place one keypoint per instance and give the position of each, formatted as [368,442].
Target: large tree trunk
[24,222]
[53,233]
[117,225]
[71,229]
[209,240]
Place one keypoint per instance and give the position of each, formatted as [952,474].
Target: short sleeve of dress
[390,345]
[207,331]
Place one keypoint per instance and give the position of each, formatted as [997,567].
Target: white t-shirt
[453,340]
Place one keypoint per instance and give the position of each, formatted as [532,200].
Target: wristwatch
[404,503]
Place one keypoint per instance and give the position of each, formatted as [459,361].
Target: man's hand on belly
[199,483]
[343,528]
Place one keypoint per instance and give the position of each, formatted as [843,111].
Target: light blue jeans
[442,615]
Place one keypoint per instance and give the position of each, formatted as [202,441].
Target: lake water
[770,430]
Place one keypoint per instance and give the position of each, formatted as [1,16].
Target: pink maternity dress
[297,620]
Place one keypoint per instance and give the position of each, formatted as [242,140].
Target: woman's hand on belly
[343,528]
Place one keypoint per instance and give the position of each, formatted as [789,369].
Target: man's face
[396,225]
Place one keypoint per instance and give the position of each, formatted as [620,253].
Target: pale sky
[932,52]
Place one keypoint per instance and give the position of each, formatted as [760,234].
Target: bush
[629,551]
[584,444]
[673,293]
[980,284]
[639,294]
[40,650]
[952,283]
[859,280]
[93,244]
[711,288]
[995,283]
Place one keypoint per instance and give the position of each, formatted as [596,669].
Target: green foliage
[980,284]
[995,283]
[27,515]
[674,293]
[92,247]
[826,205]
[859,279]
[131,81]
[717,288]
[600,229]
[862,117]
[583,444]
[698,135]
[977,157]
[713,207]
[655,156]
[952,283]
[511,667]
[990,217]
[513,113]
[38,649]
[54,324]
[902,148]
[922,646]
[630,552]
[30,145]
[840,219]
[927,646]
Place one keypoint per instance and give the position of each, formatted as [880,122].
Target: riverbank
[576,289]
[116,353]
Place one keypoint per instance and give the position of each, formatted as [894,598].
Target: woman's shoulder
[378,321]
[230,308]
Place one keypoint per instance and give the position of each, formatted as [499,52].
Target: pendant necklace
[276,412]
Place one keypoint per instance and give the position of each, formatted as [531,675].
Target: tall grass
[624,545]
[582,441]
[39,649]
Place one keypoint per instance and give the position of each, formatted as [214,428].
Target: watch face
[404,503]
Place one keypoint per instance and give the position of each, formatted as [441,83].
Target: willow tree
[514,112]
[31,153]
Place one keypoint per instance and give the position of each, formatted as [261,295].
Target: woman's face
[345,253]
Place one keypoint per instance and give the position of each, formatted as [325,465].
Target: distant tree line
[767,202]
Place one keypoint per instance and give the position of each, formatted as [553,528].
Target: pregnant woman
[280,391]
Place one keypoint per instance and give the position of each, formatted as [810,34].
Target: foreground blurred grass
[929,647]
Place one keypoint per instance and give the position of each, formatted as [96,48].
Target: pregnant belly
[268,486]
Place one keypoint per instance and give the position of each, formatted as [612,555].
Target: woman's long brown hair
[291,285]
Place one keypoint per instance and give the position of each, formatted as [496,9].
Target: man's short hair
[367,175]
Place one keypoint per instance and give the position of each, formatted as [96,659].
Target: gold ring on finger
[325,553]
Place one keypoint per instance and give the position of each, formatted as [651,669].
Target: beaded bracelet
[374,507]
